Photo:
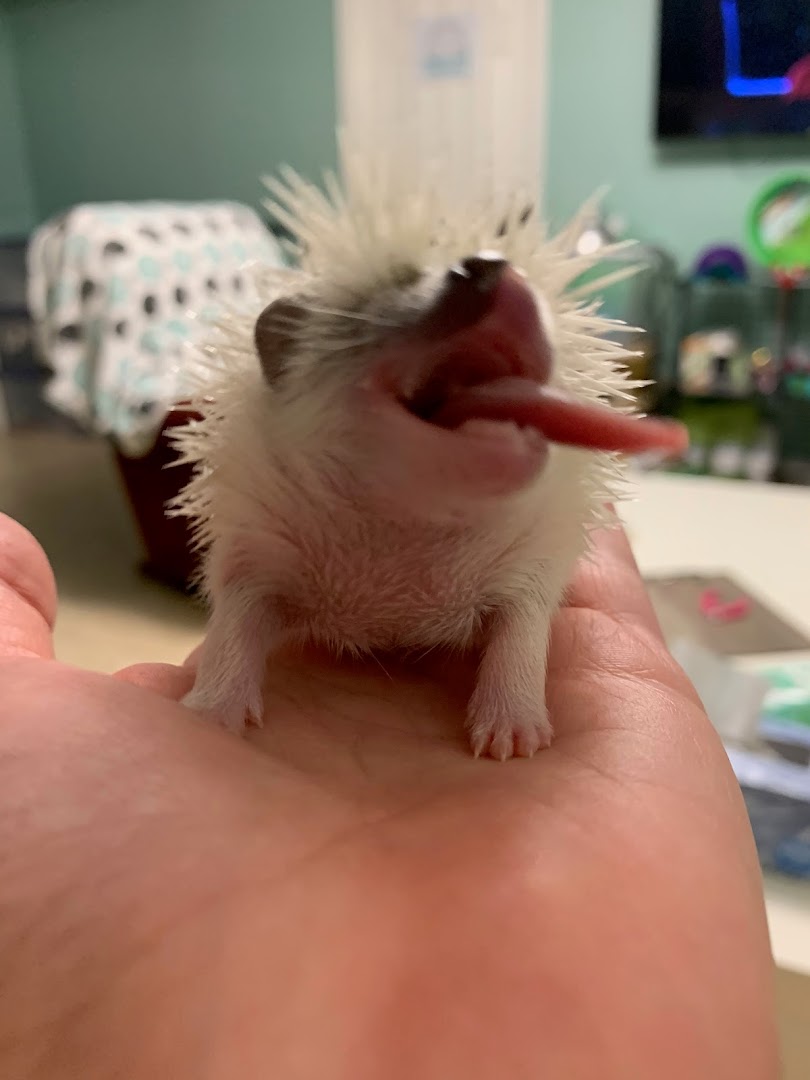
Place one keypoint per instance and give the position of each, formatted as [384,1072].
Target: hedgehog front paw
[234,713]
[501,732]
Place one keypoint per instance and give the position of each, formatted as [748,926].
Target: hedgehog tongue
[559,418]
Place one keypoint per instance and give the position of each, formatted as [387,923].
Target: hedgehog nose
[466,294]
[483,271]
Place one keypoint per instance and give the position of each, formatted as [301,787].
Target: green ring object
[793,253]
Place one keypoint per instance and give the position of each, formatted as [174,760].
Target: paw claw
[502,739]
[233,717]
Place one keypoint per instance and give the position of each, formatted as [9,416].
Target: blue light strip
[737,84]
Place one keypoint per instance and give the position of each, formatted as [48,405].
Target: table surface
[67,492]
[757,533]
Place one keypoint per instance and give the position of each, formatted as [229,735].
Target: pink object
[709,601]
[737,609]
[714,608]
[799,76]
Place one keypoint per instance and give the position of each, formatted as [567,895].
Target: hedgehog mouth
[455,358]
[490,375]
[452,384]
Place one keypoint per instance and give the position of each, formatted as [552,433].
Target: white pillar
[460,82]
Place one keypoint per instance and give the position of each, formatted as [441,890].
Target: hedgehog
[403,445]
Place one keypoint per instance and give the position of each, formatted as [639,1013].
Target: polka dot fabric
[119,292]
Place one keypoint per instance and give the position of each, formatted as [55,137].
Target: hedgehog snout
[482,271]
[466,294]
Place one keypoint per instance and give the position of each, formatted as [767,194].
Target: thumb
[27,594]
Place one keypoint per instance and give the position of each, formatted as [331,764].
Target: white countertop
[760,534]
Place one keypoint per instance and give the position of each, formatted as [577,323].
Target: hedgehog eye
[405,274]
[276,333]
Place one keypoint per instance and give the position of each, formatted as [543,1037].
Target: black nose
[466,294]
[483,270]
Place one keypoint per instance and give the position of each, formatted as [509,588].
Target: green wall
[177,99]
[16,196]
[198,98]
[603,74]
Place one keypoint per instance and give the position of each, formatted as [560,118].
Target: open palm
[349,893]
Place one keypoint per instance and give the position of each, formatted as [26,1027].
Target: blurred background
[133,140]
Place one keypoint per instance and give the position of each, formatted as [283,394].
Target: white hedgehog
[404,447]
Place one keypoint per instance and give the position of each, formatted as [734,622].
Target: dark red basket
[150,485]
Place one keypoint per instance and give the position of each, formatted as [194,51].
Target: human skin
[348,893]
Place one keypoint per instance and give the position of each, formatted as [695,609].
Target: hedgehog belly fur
[357,580]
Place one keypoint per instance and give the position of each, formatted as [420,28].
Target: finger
[192,659]
[609,580]
[168,680]
[607,640]
[27,594]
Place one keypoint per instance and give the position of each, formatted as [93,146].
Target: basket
[150,483]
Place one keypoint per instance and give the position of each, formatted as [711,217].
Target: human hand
[349,893]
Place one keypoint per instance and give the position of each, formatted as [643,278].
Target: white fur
[310,532]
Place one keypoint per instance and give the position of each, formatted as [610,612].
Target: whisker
[351,315]
[427,652]
[377,661]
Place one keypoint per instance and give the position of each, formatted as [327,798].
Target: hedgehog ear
[276,333]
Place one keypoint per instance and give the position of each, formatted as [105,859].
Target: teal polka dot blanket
[120,294]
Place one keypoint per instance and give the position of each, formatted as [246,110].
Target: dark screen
[734,67]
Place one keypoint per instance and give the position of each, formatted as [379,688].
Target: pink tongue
[560,419]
